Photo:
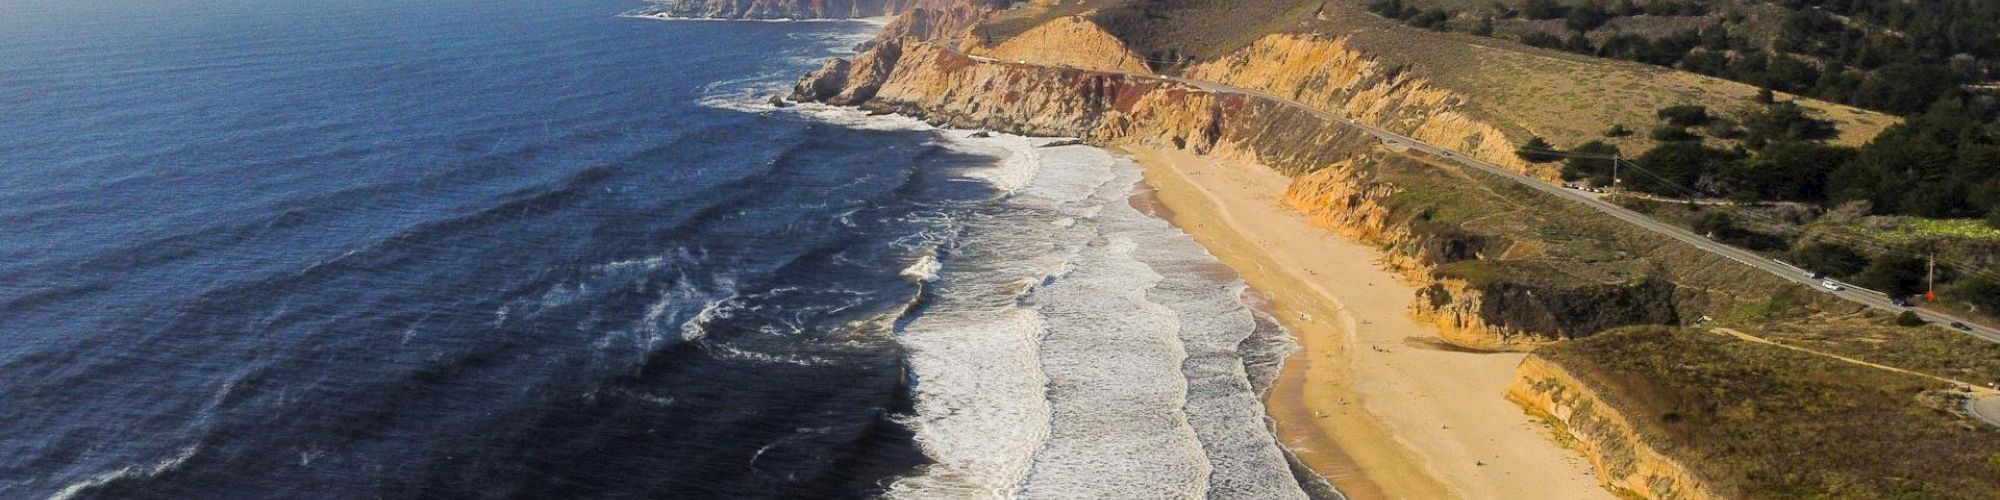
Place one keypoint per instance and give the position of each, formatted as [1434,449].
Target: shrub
[1585,18]
[1538,151]
[1484,28]
[1543,40]
[1672,133]
[1685,115]
[1544,9]
[1618,130]
[1431,19]
[1829,258]
[1715,224]
[1909,319]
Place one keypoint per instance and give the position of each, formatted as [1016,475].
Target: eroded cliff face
[1071,41]
[946,23]
[1588,422]
[1326,74]
[806,9]
[1332,164]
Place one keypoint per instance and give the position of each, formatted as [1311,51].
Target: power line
[1783,225]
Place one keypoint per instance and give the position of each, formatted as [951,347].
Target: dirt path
[1984,403]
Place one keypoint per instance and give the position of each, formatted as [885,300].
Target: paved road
[1779,269]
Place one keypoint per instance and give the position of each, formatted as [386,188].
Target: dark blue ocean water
[439,249]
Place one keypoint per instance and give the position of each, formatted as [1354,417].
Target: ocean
[532,249]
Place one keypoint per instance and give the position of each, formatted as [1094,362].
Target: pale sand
[1371,400]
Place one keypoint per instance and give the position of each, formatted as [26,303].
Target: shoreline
[1370,401]
[877,21]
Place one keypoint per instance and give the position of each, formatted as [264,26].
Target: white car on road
[1832,285]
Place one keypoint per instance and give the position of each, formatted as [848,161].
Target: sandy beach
[1371,400]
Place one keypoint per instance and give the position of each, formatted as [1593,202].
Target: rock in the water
[779,101]
[980,135]
[1061,143]
[822,83]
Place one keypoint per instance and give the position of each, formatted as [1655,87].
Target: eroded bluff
[1491,282]
[806,9]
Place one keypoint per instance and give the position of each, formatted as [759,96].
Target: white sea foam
[128,472]
[1012,172]
[1076,347]
[925,268]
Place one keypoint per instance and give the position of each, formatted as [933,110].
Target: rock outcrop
[1586,420]
[1071,41]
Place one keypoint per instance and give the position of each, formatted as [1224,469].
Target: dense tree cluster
[1941,164]
[1433,18]
[1897,56]
[1944,163]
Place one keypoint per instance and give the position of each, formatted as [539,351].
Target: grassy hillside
[1770,422]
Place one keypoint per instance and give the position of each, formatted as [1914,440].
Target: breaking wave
[1070,345]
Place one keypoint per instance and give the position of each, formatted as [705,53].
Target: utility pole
[1616,159]
[1930,280]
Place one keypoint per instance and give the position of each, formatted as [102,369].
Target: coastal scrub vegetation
[1770,422]
[1889,55]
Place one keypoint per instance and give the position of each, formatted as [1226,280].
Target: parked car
[1832,285]
[1960,326]
[1899,301]
[1815,275]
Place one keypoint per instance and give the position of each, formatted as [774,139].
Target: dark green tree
[1980,291]
[1894,275]
[1716,224]
[1538,151]
[1590,163]
[1785,121]
[1829,258]
[1684,115]
[1586,17]
[1674,167]
[1792,171]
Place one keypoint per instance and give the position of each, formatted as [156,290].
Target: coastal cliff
[1326,73]
[1484,289]
[1497,266]
[1583,418]
[804,9]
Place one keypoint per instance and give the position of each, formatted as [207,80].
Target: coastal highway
[1779,269]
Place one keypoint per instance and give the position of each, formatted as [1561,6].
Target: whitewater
[1070,344]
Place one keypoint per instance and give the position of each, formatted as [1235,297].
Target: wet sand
[1370,401]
